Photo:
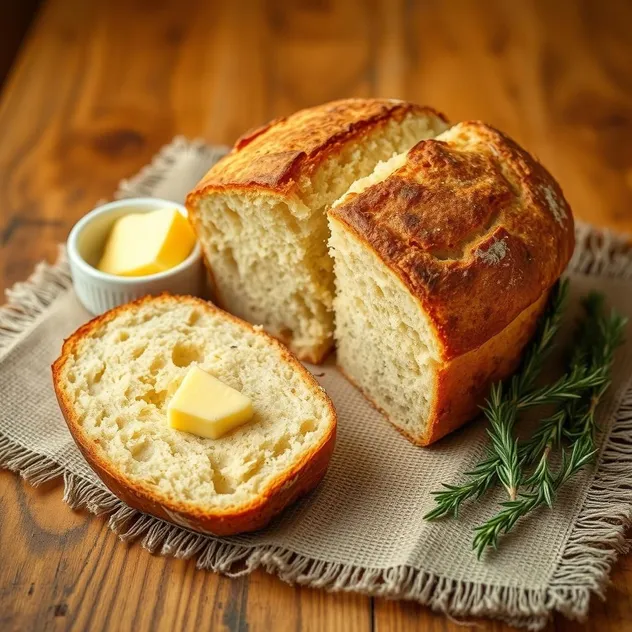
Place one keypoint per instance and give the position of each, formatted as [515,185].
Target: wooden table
[99,86]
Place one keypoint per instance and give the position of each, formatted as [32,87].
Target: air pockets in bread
[115,377]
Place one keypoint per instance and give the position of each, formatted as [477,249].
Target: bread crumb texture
[120,376]
[267,245]
[436,252]
[384,341]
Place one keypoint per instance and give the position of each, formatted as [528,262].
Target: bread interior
[383,338]
[121,376]
[269,256]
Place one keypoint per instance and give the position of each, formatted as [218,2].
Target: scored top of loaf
[276,156]
[473,225]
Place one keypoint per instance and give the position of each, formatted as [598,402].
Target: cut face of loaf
[114,381]
[260,213]
[444,258]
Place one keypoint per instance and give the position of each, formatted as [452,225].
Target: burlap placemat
[362,529]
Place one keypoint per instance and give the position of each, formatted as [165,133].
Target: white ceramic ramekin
[99,291]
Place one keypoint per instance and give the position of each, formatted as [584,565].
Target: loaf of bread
[114,380]
[260,213]
[444,258]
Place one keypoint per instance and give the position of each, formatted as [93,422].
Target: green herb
[598,337]
[501,410]
[577,394]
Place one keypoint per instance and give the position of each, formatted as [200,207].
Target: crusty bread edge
[464,382]
[453,373]
[299,479]
[375,235]
[288,186]
[288,192]
[448,384]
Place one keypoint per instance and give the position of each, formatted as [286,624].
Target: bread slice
[444,258]
[260,213]
[115,377]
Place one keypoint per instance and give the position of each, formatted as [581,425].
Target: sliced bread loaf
[260,213]
[114,380]
[444,258]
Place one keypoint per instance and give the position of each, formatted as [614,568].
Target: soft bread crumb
[384,341]
[269,254]
[120,377]
[382,170]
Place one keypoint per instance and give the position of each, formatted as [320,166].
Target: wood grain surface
[99,86]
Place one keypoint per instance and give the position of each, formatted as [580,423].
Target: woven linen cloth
[362,529]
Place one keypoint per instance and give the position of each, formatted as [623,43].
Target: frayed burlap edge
[598,536]
[145,181]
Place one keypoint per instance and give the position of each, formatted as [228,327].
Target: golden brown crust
[276,156]
[462,384]
[280,157]
[474,226]
[300,479]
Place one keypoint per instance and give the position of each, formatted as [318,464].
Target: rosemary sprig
[548,435]
[553,429]
[501,410]
[506,456]
[501,413]
[599,336]
[502,416]
[577,394]
[449,500]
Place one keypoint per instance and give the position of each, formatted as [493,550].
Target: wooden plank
[16,18]
[63,570]
[554,75]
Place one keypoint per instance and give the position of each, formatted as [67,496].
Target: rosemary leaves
[524,468]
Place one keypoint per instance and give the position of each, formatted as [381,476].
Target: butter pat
[145,243]
[206,407]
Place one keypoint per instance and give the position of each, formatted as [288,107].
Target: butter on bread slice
[116,376]
[206,407]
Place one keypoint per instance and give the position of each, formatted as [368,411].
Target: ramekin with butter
[131,248]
